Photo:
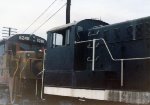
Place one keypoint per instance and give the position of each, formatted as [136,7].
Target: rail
[121,60]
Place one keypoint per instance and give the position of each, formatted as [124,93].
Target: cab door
[59,58]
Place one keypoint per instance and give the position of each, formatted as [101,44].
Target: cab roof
[74,24]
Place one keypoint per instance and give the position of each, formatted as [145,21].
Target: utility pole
[68,11]
[9,31]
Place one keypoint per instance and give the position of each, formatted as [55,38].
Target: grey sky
[21,13]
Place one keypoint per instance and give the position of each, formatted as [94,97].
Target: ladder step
[89,45]
[90,59]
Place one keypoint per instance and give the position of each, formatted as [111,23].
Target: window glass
[67,36]
[79,32]
[24,47]
[57,39]
[61,38]
[79,29]
[36,48]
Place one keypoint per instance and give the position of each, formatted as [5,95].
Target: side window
[67,34]
[61,38]
[80,33]
[57,39]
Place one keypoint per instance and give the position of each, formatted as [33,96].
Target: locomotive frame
[86,62]
[98,61]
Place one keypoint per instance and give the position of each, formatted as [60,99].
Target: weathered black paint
[67,66]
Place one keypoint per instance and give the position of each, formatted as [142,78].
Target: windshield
[28,47]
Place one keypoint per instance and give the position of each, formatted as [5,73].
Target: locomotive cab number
[24,38]
[40,41]
[27,38]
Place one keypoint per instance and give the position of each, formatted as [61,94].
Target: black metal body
[60,61]
[67,65]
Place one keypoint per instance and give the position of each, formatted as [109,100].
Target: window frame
[65,40]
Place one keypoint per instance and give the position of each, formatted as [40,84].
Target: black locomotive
[21,64]
[87,62]
[98,62]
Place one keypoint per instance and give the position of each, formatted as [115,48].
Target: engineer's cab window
[61,38]
[57,39]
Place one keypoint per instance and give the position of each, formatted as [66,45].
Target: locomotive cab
[63,55]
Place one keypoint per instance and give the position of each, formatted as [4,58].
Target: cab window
[60,38]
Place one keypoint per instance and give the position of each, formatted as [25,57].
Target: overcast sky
[21,13]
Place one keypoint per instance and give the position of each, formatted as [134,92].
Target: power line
[49,18]
[39,16]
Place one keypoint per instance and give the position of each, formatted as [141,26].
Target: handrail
[36,87]
[21,74]
[23,69]
[13,98]
[121,60]
[126,59]
[93,55]
[42,85]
